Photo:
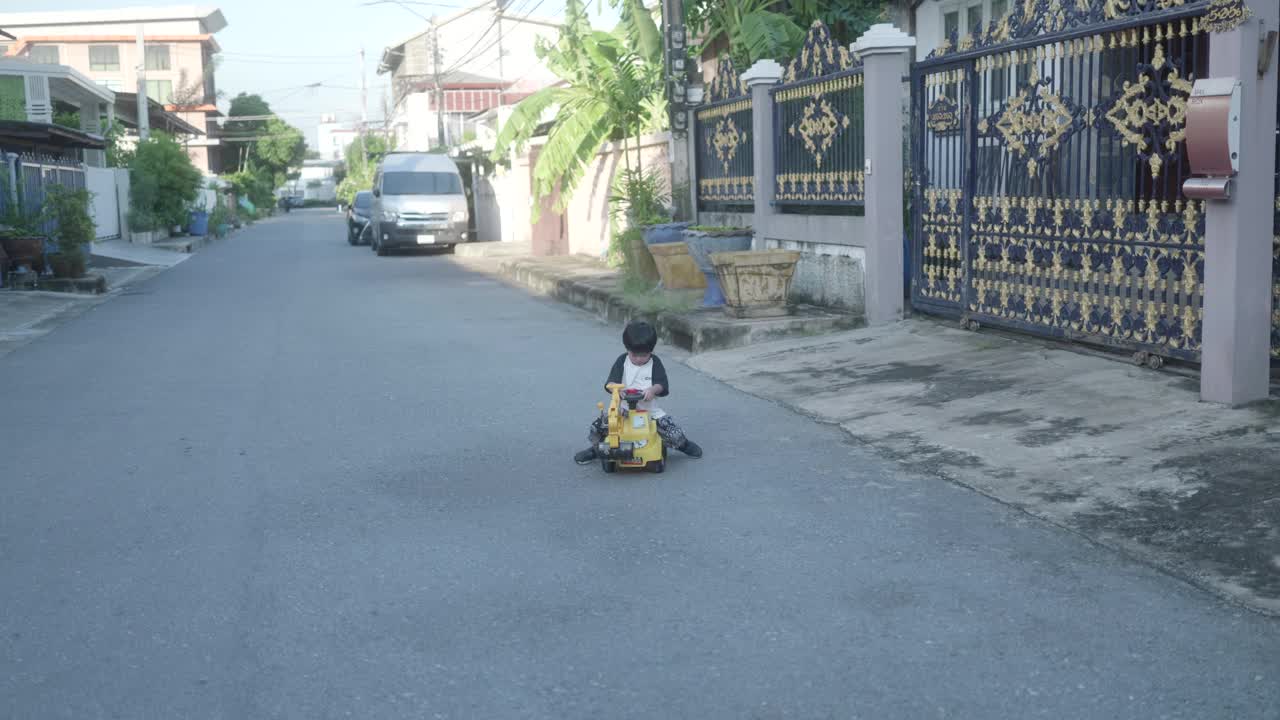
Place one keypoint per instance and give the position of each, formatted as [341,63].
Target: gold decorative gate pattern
[1049,165]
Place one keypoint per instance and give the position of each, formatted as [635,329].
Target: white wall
[105,208]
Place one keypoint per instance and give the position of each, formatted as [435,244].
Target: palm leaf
[524,121]
[769,35]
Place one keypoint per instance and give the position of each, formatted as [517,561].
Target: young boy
[639,369]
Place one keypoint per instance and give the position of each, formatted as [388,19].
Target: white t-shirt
[640,377]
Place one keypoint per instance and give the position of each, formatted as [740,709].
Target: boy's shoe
[586,456]
[691,449]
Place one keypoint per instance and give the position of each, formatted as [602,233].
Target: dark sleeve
[660,377]
[615,374]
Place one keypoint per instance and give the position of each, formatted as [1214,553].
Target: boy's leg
[674,437]
[594,434]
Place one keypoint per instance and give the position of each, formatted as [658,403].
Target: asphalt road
[289,479]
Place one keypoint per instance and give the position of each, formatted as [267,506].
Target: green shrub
[163,182]
[70,210]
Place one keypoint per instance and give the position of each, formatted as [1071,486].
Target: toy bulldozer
[632,440]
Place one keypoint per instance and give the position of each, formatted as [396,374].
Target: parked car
[418,202]
[359,218]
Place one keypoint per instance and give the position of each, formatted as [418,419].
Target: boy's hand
[652,392]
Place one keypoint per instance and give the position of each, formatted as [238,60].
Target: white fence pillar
[760,79]
[883,50]
[1236,328]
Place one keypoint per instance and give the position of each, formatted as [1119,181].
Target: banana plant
[611,89]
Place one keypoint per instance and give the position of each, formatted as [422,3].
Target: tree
[775,29]
[244,105]
[190,92]
[358,173]
[752,29]
[280,146]
[613,91]
[163,183]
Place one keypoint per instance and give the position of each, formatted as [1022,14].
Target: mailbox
[1213,138]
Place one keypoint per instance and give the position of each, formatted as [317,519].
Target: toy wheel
[658,466]
[608,465]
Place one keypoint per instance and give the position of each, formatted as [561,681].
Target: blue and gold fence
[725,157]
[818,144]
[1049,158]
[1275,253]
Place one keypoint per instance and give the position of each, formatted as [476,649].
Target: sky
[275,47]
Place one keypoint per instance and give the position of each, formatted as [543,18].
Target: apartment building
[178,55]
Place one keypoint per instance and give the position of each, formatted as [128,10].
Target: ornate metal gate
[1275,250]
[1048,170]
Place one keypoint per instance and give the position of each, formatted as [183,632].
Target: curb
[597,291]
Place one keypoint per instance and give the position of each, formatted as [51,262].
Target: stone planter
[702,243]
[664,233]
[676,268]
[756,283]
[640,260]
[150,237]
[68,266]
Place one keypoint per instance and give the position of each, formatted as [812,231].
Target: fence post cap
[881,39]
[764,72]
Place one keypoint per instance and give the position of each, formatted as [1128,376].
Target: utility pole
[144,105]
[364,111]
[439,92]
[499,6]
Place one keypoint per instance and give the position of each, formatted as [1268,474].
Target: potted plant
[703,241]
[220,220]
[756,283]
[68,210]
[21,237]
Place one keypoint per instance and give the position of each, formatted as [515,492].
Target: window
[104,57]
[973,16]
[4,49]
[160,90]
[999,8]
[113,85]
[421,183]
[44,54]
[950,25]
[157,57]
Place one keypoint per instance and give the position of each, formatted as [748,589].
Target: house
[177,57]
[485,59]
[333,137]
[54,111]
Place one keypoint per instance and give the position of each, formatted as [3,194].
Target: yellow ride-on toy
[632,440]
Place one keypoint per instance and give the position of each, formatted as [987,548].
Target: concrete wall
[101,182]
[588,211]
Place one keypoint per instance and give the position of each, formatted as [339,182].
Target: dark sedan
[358,218]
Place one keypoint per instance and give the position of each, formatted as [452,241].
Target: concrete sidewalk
[125,252]
[1126,456]
[26,315]
[590,284]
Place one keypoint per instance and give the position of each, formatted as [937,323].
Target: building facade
[178,58]
[486,59]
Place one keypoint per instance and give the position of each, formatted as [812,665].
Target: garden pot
[676,268]
[640,260]
[199,224]
[223,230]
[68,266]
[664,233]
[756,283]
[703,243]
[24,250]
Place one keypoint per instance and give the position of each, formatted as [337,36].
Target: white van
[418,202]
